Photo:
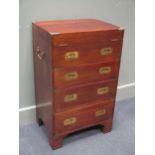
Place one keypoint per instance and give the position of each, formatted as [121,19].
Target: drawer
[82,117]
[86,38]
[86,54]
[82,74]
[81,95]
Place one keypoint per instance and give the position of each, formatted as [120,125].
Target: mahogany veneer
[76,66]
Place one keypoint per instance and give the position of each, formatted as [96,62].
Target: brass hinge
[54,33]
[121,29]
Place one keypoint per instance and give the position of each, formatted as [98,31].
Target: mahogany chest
[76,66]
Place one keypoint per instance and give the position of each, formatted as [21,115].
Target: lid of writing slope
[74,26]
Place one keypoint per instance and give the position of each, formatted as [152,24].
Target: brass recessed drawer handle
[100,112]
[106,51]
[72,55]
[71,75]
[70,121]
[103,90]
[40,53]
[105,70]
[70,97]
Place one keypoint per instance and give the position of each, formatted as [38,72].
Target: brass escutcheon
[71,75]
[100,112]
[105,70]
[72,55]
[106,51]
[70,97]
[115,39]
[69,121]
[103,90]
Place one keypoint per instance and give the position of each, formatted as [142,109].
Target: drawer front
[85,38]
[84,74]
[79,118]
[67,98]
[86,54]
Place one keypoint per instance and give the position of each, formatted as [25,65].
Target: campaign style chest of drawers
[76,66]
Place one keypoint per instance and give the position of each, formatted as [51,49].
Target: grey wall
[119,12]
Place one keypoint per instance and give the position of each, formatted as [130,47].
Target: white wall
[118,12]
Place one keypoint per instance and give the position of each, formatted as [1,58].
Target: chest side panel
[42,75]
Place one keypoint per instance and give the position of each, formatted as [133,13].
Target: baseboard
[27,114]
[125,91]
